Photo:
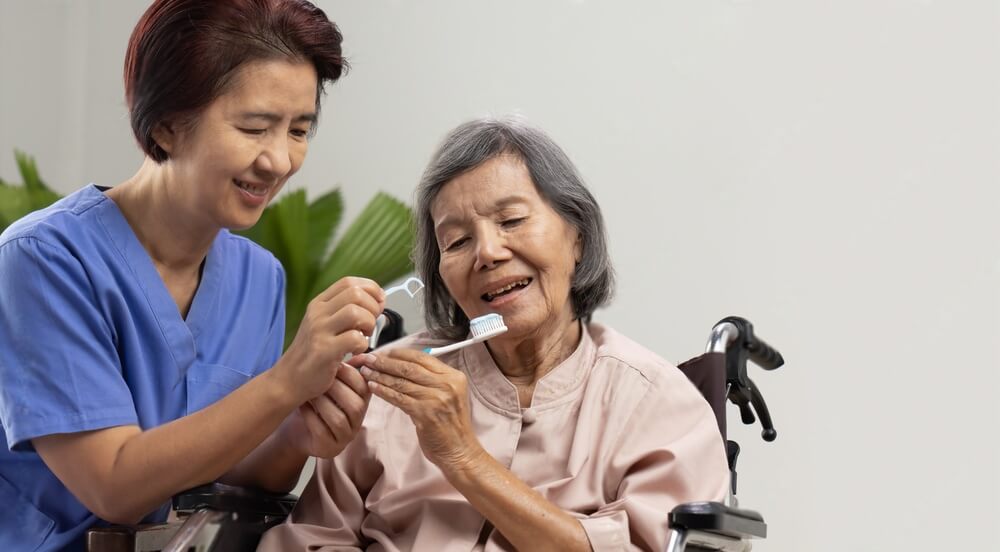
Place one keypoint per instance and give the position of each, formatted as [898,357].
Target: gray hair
[557,182]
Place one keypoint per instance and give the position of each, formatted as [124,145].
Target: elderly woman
[560,434]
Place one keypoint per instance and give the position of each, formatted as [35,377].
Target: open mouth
[509,288]
[257,190]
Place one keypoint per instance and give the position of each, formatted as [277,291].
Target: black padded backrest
[393,330]
[708,373]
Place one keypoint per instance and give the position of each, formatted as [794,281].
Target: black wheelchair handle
[763,355]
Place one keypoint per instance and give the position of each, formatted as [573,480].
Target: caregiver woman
[141,341]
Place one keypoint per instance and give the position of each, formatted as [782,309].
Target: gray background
[827,169]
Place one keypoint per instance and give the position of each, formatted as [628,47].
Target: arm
[435,397]
[651,472]
[316,428]
[111,471]
[122,473]
[526,518]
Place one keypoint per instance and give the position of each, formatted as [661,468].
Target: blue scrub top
[90,338]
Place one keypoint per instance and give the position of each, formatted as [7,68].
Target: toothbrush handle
[437,351]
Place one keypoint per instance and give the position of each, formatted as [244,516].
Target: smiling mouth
[252,189]
[513,286]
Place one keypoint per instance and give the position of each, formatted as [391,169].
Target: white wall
[827,169]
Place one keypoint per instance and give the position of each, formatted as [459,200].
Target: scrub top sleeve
[59,367]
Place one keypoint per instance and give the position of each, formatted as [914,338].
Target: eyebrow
[274,117]
[456,219]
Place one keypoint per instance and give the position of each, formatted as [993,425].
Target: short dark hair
[183,54]
[558,183]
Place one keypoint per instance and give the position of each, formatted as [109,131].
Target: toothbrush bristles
[487,323]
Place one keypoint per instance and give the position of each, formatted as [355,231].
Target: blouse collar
[555,387]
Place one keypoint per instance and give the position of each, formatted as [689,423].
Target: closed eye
[456,244]
[512,222]
[254,131]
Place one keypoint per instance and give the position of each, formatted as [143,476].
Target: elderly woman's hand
[435,396]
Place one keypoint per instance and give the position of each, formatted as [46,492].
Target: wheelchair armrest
[715,517]
[241,500]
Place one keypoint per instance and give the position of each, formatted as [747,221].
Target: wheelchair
[221,518]
[720,374]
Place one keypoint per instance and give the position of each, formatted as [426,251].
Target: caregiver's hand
[434,395]
[323,426]
[337,323]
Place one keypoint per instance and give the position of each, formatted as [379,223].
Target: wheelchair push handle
[764,355]
[734,337]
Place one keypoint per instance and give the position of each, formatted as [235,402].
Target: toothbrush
[482,328]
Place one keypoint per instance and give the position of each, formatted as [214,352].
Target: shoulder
[636,372]
[68,219]
[615,349]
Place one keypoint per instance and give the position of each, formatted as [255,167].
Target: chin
[242,223]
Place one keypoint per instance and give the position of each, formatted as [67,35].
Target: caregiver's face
[504,249]
[247,142]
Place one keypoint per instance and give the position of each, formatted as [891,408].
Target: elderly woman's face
[504,249]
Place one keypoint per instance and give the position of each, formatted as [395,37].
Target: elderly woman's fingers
[405,386]
[403,402]
[403,369]
[414,356]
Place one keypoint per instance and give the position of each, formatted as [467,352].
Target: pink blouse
[615,436]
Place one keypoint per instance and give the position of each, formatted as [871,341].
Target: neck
[527,360]
[166,226]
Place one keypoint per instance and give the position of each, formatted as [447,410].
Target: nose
[491,249]
[275,158]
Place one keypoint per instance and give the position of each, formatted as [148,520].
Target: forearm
[123,473]
[274,466]
[521,514]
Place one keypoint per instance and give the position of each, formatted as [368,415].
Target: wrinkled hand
[434,395]
[323,426]
[337,323]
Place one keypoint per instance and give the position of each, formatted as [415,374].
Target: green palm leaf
[299,234]
[324,217]
[376,246]
[17,201]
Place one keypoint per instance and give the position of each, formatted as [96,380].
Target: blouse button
[527,416]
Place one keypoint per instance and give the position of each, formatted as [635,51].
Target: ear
[578,248]
[165,135]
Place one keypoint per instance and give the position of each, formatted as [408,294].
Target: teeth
[252,188]
[509,286]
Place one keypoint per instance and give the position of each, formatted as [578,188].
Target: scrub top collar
[181,333]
